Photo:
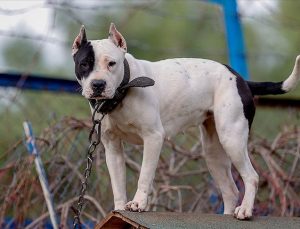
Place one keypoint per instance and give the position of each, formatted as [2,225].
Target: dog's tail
[270,88]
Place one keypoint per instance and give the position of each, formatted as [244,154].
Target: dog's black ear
[79,40]
[116,37]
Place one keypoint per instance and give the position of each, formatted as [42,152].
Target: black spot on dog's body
[187,75]
[84,60]
[247,99]
[182,70]
[246,96]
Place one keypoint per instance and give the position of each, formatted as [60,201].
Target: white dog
[187,92]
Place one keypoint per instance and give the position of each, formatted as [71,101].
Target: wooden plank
[115,220]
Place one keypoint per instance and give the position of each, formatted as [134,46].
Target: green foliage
[22,55]
[268,121]
[40,108]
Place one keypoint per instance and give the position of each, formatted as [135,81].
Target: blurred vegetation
[154,30]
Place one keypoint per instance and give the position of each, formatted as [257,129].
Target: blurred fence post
[30,144]
[234,36]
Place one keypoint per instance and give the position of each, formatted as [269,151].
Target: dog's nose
[98,85]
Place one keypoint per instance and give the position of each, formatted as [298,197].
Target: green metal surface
[172,220]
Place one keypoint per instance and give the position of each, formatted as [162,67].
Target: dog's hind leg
[219,165]
[233,129]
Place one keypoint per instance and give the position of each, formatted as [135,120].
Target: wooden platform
[172,220]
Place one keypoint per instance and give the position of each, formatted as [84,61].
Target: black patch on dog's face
[246,96]
[84,60]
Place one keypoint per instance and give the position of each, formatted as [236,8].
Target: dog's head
[99,64]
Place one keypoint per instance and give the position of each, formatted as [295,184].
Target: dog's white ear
[116,37]
[79,40]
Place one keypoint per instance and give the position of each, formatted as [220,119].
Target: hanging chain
[95,131]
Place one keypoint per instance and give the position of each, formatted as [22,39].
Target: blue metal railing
[35,82]
[234,37]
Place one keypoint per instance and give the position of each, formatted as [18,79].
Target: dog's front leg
[152,147]
[116,167]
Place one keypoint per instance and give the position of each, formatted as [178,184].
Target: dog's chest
[126,130]
[129,132]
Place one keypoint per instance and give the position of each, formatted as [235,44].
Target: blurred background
[36,39]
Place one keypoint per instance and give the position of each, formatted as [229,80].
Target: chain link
[95,131]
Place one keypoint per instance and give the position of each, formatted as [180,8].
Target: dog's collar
[108,105]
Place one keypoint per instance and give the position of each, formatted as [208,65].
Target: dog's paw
[243,212]
[139,202]
[134,206]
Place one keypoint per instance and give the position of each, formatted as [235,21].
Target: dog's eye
[111,63]
[84,65]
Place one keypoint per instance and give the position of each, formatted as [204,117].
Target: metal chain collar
[94,142]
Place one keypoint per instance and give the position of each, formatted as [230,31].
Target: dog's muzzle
[98,87]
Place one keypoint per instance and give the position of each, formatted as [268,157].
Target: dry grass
[182,181]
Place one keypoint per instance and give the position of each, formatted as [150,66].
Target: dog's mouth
[100,94]
[97,96]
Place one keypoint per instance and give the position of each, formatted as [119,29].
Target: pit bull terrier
[187,92]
